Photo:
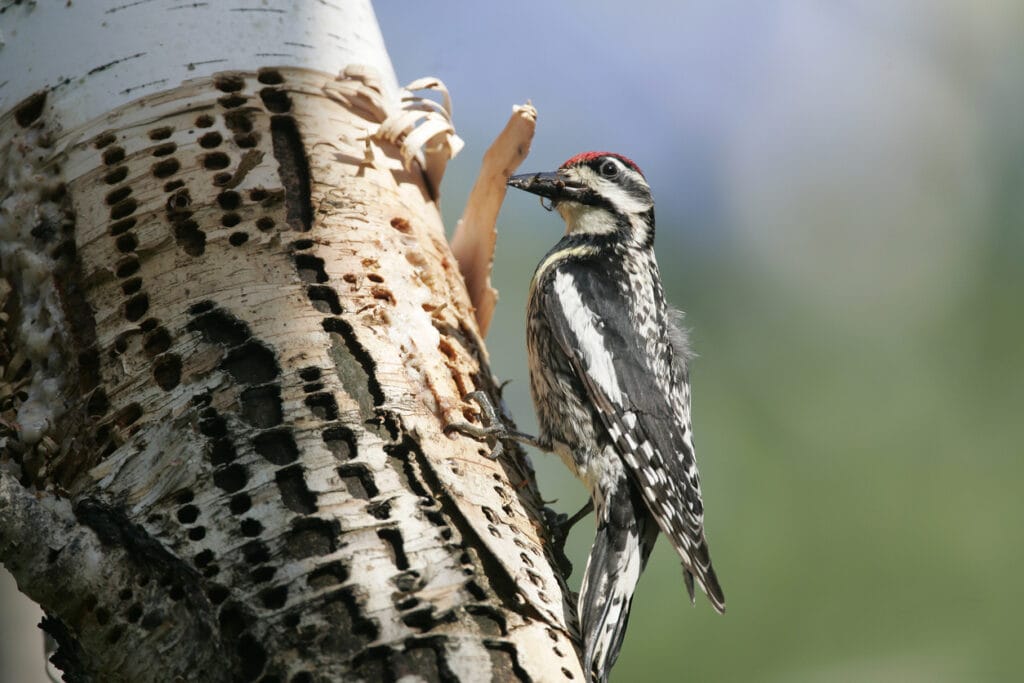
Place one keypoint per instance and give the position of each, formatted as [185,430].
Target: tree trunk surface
[234,333]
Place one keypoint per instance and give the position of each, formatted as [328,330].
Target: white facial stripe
[617,196]
[620,198]
[600,366]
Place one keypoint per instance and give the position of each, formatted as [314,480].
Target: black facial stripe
[634,186]
[592,198]
[649,219]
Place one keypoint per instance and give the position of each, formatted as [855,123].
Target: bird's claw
[493,430]
[559,525]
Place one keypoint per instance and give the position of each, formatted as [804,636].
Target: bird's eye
[609,169]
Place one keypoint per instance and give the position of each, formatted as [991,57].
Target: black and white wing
[642,401]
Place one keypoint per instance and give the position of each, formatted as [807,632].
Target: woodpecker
[610,384]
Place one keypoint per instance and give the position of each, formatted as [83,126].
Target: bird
[609,376]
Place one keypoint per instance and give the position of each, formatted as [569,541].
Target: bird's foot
[493,431]
[559,525]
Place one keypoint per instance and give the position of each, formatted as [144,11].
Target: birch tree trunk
[234,333]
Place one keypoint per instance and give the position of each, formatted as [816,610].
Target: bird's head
[596,193]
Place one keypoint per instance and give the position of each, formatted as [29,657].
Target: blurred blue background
[840,193]
[840,201]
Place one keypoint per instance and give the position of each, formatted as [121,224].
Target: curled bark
[475,235]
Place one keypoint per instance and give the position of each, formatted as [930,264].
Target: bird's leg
[559,525]
[494,430]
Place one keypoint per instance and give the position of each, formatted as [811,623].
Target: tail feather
[706,577]
[626,534]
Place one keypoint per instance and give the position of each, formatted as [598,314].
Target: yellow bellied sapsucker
[610,383]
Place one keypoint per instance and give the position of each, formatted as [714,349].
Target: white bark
[235,335]
[98,55]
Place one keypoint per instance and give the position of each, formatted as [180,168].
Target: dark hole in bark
[203,558]
[269,77]
[230,478]
[311,268]
[217,593]
[293,169]
[98,404]
[127,242]
[166,168]
[328,575]
[393,539]
[212,424]
[251,527]
[276,101]
[218,326]
[261,406]
[274,598]
[324,299]
[190,238]
[136,307]
[124,208]
[232,101]
[256,552]
[128,415]
[323,406]
[295,494]
[104,139]
[238,120]
[161,133]
[216,161]
[252,655]
[311,537]
[358,481]
[240,503]
[222,451]
[113,156]
[247,140]
[127,266]
[187,514]
[115,176]
[276,446]
[114,196]
[341,442]
[167,371]
[228,82]
[263,574]
[118,227]
[251,363]
[156,342]
[165,149]
[229,200]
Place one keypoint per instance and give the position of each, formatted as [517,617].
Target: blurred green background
[840,203]
[840,193]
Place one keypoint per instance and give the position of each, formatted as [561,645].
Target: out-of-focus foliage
[840,194]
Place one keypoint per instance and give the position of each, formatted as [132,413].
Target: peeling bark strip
[235,335]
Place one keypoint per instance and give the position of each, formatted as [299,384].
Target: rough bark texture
[234,335]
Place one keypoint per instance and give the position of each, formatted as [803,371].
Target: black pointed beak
[550,185]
